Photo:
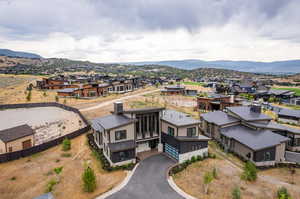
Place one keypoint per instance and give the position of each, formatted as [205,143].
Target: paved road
[115,100]
[149,181]
[292,156]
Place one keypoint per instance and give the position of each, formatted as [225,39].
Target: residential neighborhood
[149,99]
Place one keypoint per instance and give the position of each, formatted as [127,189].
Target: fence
[38,148]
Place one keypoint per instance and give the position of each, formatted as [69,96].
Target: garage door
[173,152]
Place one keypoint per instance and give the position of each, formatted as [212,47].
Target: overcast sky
[140,30]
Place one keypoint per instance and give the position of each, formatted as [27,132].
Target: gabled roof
[110,121]
[254,139]
[15,133]
[245,113]
[219,118]
[178,118]
[289,112]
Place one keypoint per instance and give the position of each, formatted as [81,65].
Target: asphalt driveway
[149,181]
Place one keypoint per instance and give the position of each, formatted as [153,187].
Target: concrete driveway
[149,181]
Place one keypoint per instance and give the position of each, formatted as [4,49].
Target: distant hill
[289,66]
[10,53]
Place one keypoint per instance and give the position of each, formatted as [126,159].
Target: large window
[171,131]
[120,135]
[191,132]
[267,156]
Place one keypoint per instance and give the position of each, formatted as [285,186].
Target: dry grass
[191,181]
[283,174]
[32,174]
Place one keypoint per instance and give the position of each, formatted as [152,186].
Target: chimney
[256,108]
[231,98]
[118,108]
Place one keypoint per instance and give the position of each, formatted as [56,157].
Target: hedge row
[180,167]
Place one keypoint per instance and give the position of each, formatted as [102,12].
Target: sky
[153,30]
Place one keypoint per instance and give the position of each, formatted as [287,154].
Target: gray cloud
[28,19]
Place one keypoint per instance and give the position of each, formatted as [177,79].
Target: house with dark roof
[16,138]
[126,133]
[173,90]
[289,115]
[282,95]
[249,133]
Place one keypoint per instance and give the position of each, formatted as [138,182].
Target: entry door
[26,144]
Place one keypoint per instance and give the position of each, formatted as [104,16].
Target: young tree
[250,172]
[207,179]
[28,97]
[215,173]
[236,193]
[56,98]
[282,193]
[89,180]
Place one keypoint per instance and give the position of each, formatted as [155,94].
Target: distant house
[16,138]
[283,95]
[289,116]
[173,90]
[252,135]
[213,102]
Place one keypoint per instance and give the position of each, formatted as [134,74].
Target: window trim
[169,132]
[194,132]
[121,132]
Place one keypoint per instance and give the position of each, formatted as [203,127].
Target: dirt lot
[28,177]
[191,181]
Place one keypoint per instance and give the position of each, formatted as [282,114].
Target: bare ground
[33,173]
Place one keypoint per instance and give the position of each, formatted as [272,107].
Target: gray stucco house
[251,134]
[125,133]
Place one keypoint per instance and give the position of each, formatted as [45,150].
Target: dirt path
[115,100]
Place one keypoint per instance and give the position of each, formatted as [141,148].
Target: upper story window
[171,131]
[120,135]
[191,132]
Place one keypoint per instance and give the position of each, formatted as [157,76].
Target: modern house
[289,116]
[125,133]
[173,90]
[213,102]
[16,138]
[283,95]
[251,134]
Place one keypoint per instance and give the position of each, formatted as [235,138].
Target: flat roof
[110,121]
[289,112]
[254,139]
[144,110]
[121,146]
[15,133]
[178,118]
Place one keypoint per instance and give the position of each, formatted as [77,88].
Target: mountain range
[276,67]
[11,53]
[289,66]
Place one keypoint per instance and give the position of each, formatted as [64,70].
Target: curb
[178,190]
[120,186]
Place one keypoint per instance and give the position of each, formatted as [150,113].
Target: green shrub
[89,180]
[66,144]
[56,98]
[50,185]
[28,97]
[193,159]
[13,178]
[58,170]
[236,193]
[282,193]
[250,172]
